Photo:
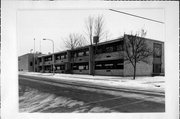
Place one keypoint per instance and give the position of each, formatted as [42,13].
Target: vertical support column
[68,64]
[53,63]
[91,60]
[37,64]
[42,64]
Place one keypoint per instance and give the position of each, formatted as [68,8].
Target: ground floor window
[110,64]
[40,68]
[80,66]
[60,67]
[47,68]
[156,68]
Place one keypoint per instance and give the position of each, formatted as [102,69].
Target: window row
[59,57]
[80,53]
[57,67]
[48,59]
[80,66]
[109,48]
[113,64]
[60,67]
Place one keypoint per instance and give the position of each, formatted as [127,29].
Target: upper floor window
[86,53]
[157,50]
[40,60]
[119,47]
[48,58]
[60,56]
[80,54]
[109,49]
[113,47]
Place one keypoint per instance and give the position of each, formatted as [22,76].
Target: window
[80,54]
[40,60]
[86,53]
[119,48]
[157,50]
[31,64]
[112,64]
[48,58]
[62,56]
[99,51]
[75,67]
[80,66]
[113,47]
[58,57]
[109,49]
[60,67]
[109,66]
[47,68]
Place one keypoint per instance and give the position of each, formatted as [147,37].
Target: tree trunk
[134,76]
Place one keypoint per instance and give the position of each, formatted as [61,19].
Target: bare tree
[89,27]
[99,27]
[136,49]
[95,26]
[74,40]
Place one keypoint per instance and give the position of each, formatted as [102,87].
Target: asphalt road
[92,99]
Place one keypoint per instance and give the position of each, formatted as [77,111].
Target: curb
[80,84]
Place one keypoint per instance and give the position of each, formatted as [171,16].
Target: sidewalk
[153,84]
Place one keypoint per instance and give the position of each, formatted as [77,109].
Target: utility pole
[53,53]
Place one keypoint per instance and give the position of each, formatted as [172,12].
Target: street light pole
[53,52]
[34,56]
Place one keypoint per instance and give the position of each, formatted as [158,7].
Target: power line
[136,16]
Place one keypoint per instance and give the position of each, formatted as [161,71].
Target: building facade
[106,58]
[28,62]
[25,62]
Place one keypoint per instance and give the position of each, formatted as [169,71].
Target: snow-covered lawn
[156,83]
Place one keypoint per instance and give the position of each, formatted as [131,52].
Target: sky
[58,24]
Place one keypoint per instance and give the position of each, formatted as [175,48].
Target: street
[96,102]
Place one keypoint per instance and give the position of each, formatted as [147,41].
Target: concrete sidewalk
[152,84]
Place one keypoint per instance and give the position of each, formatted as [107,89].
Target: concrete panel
[80,59]
[81,71]
[59,71]
[113,72]
[142,69]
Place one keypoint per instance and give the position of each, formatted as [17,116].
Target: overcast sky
[58,24]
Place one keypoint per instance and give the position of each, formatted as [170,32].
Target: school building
[105,58]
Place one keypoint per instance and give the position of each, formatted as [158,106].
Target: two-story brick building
[105,58]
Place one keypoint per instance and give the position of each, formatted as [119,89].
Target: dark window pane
[157,50]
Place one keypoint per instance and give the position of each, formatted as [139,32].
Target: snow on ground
[156,83]
[33,100]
